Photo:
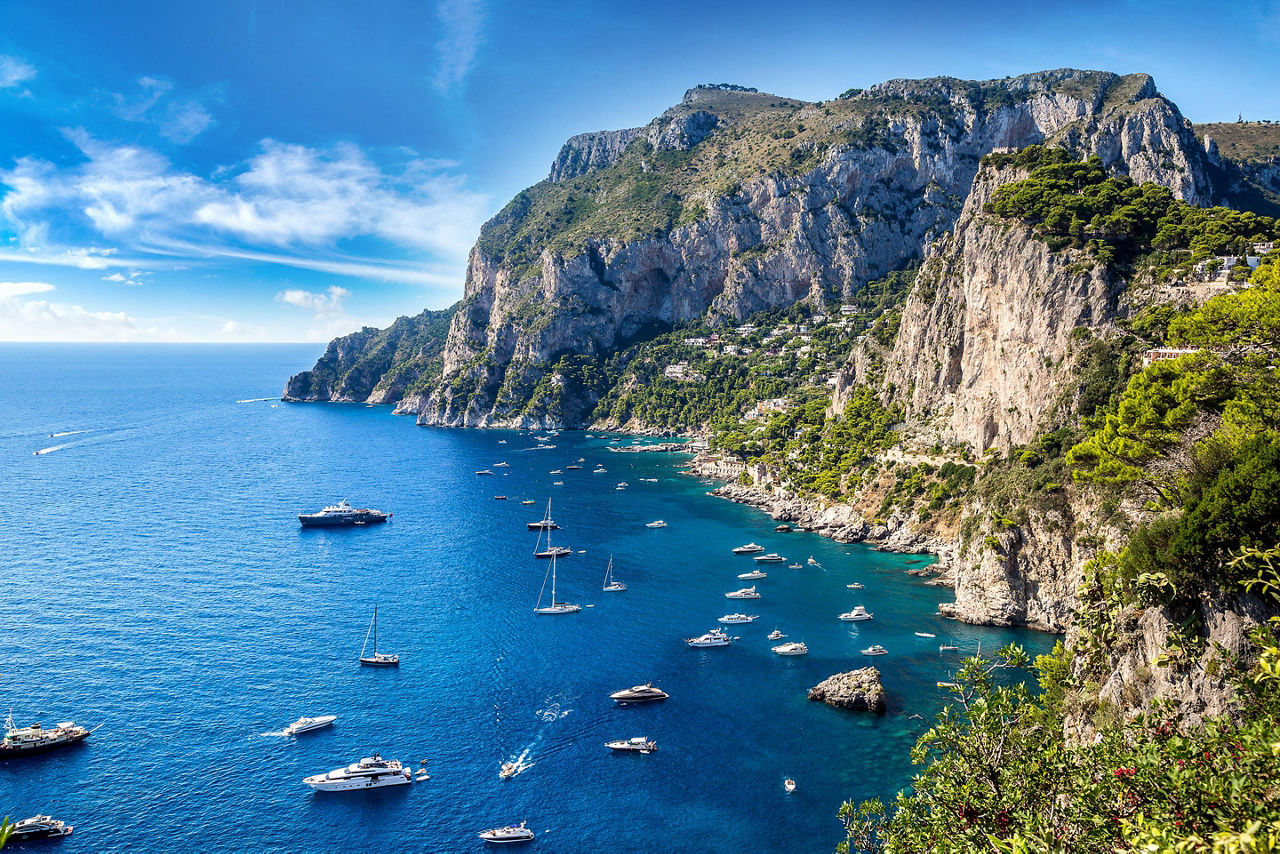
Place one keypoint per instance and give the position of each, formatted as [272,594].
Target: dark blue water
[156,582]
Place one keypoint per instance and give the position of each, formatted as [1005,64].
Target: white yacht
[639,744]
[794,566]
[854,586]
[657,524]
[507,835]
[877,649]
[857,615]
[732,619]
[39,827]
[748,549]
[744,593]
[925,635]
[793,648]
[771,557]
[503,465]
[715,637]
[308,724]
[645,693]
[610,584]
[948,647]
[776,634]
[372,772]
[755,573]
[485,473]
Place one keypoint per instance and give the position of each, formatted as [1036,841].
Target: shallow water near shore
[157,583]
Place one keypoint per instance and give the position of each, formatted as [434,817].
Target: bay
[156,582]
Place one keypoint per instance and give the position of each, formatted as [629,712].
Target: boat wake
[257,400]
[43,451]
[67,433]
[554,710]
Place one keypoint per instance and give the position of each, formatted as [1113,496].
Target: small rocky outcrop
[857,689]
[587,151]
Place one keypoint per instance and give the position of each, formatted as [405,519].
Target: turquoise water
[157,584]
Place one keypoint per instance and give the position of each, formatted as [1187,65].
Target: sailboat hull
[380,662]
[558,609]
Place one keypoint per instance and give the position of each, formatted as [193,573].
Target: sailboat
[550,550]
[611,586]
[378,659]
[555,607]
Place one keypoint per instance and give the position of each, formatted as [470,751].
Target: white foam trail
[257,399]
[67,433]
[43,451]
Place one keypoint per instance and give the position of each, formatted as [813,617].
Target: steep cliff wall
[741,201]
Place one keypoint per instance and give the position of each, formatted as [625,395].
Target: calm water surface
[157,583]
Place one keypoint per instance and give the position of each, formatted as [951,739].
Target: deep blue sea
[156,584]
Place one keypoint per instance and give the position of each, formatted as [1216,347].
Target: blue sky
[288,170]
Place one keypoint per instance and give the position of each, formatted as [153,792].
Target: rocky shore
[857,689]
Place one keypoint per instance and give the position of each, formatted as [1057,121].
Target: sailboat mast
[375,629]
[553,558]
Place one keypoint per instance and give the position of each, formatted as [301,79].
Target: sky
[292,170]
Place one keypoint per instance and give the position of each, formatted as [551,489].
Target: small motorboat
[39,827]
[753,574]
[947,685]
[527,501]
[771,557]
[877,649]
[748,549]
[795,566]
[485,472]
[502,441]
[789,785]
[555,471]
[948,647]
[601,470]
[925,635]
[783,529]
[776,635]
[508,770]
[645,693]
[793,648]
[421,776]
[507,835]
[658,524]
[574,466]
[502,465]
[731,619]
[302,725]
[813,562]
[639,744]
[557,483]
[499,498]
[854,586]
[744,593]
[857,615]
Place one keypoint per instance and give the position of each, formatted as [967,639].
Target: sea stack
[857,689]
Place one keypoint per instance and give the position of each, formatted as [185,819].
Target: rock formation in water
[857,689]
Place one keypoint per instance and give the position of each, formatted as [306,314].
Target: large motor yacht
[744,593]
[639,694]
[748,549]
[639,744]
[771,557]
[342,513]
[308,724]
[39,827]
[753,574]
[715,637]
[795,648]
[27,740]
[730,619]
[372,772]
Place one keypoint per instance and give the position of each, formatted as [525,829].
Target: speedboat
[857,615]
[789,785]
[795,566]
[776,634]
[555,471]
[527,501]
[748,549]
[948,647]
[813,562]
[508,770]
[925,635]
[574,466]
[715,637]
[645,693]
[771,557]
[601,470]
[507,835]
[744,593]
[793,648]
[731,619]
[854,586]
[499,498]
[372,772]
[877,649]
[308,724]
[639,744]
[622,484]
[39,827]
[502,441]
[657,524]
[502,465]
[755,573]
[485,472]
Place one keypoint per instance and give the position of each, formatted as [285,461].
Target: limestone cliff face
[989,331]
[869,198]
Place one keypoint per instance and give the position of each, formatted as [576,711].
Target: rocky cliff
[735,201]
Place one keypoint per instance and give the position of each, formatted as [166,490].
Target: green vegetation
[1244,141]
[1000,776]
[1072,203]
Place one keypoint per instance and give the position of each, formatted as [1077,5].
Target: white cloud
[9,290]
[327,304]
[134,278]
[14,72]
[289,204]
[178,119]
[460,38]
[41,320]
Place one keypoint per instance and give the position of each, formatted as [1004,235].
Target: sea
[158,588]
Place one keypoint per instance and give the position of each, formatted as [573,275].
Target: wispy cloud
[127,206]
[24,319]
[9,290]
[324,304]
[461,22]
[178,119]
[14,72]
[134,278]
